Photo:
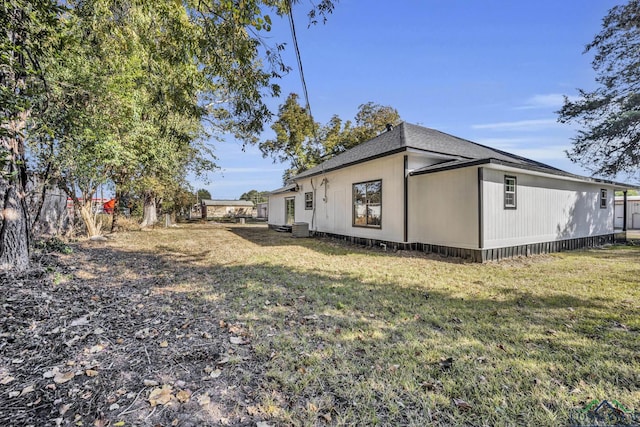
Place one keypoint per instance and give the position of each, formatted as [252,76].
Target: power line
[299,58]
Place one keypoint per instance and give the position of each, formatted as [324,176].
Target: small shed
[632,213]
[227,208]
[263,210]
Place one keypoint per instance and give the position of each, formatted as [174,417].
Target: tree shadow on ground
[329,246]
[313,338]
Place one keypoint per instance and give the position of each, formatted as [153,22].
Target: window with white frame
[510,192]
[367,204]
[603,198]
[308,200]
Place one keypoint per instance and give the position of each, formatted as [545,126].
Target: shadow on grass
[322,318]
[328,246]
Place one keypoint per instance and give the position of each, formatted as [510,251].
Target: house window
[510,192]
[308,201]
[367,204]
[603,198]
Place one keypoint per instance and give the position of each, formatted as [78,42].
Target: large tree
[295,140]
[255,196]
[609,141]
[140,80]
[27,33]
[130,87]
[203,193]
[304,143]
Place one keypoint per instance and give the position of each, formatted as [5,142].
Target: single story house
[417,188]
[629,218]
[226,208]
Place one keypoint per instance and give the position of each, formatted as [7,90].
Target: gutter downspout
[480,219]
[313,213]
[624,210]
[406,198]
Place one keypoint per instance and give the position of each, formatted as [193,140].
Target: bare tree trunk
[84,207]
[14,220]
[150,215]
[116,211]
[14,232]
[89,218]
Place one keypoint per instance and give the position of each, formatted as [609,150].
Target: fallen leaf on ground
[91,373]
[204,400]
[81,321]
[431,385]
[237,340]
[183,396]
[51,373]
[263,424]
[150,383]
[6,380]
[96,348]
[63,377]
[216,373]
[236,329]
[27,390]
[461,404]
[161,395]
[164,344]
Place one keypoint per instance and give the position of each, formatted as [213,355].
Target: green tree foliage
[203,194]
[255,196]
[126,91]
[136,85]
[305,144]
[294,141]
[609,141]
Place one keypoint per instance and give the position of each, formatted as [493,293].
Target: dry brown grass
[341,335]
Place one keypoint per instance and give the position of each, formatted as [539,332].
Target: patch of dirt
[80,347]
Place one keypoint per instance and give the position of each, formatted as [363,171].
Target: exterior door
[289,210]
[619,215]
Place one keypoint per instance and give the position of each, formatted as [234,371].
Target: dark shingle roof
[405,136]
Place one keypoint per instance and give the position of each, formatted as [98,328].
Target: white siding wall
[547,210]
[276,208]
[443,208]
[333,200]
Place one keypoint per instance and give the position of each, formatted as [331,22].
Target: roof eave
[501,164]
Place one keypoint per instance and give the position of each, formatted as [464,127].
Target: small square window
[603,198]
[308,201]
[510,193]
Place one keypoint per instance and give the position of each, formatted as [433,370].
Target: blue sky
[490,71]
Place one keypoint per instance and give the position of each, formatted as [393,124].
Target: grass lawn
[340,335]
[349,336]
